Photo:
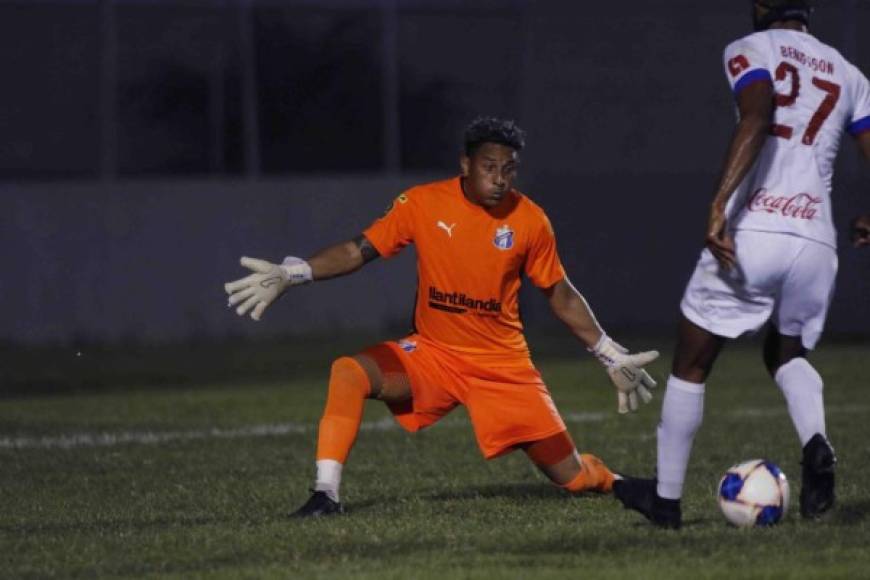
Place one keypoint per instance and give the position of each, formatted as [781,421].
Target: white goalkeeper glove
[626,372]
[267,282]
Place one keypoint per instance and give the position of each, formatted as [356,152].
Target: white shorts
[786,276]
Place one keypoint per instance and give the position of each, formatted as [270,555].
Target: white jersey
[819,95]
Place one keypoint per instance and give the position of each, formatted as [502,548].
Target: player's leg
[696,352]
[798,322]
[800,383]
[780,350]
[802,386]
[718,304]
[510,408]
[683,405]
[682,413]
[558,459]
[352,380]
[409,376]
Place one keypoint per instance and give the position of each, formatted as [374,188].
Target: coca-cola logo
[802,206]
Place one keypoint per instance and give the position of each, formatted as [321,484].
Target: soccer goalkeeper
[475,235]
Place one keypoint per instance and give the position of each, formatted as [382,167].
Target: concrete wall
[147,260]
[627,112]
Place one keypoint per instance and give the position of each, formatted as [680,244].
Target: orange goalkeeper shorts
[508,405]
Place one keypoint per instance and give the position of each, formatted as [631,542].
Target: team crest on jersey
[407,345]
[504,238]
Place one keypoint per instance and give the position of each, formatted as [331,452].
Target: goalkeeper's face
[489,173]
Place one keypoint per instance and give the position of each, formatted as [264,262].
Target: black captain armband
[366,248]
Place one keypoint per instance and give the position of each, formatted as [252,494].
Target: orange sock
[551,450]
[349,386]
[593,476]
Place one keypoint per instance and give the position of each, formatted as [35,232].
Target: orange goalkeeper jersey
[469,265]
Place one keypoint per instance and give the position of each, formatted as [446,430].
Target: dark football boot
[817,477]
[317,506]
[641,496]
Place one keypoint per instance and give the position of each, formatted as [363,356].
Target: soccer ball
[753,493]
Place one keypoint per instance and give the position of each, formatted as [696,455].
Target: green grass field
[174,474]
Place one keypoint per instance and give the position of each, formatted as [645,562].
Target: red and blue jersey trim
[752,76]
[859,126]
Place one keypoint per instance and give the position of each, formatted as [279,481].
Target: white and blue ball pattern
[754,493]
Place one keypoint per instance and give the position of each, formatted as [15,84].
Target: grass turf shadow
[506,490]
[117,525]
[850,513]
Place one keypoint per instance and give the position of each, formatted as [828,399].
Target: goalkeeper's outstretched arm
[268,281]
[570,307]
[342,259]
[626,371]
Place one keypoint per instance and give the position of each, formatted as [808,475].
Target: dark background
[147,144]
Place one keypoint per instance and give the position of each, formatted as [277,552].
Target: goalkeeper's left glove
[626,372]
[267,282]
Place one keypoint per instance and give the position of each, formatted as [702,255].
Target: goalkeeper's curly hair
[493,130]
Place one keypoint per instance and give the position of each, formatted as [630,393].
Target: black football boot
[817,477]
[641,496]
[317,506]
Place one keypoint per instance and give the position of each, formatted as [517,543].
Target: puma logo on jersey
[447,229]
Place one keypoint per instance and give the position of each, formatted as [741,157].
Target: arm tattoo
[366,248]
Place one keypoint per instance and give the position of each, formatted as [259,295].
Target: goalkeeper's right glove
[626,372]
[267,282]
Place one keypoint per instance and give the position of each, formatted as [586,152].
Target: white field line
[76,440]
[105,439]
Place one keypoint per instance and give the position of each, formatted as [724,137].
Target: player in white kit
[771,247]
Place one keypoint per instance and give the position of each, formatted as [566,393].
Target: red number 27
[787,100]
